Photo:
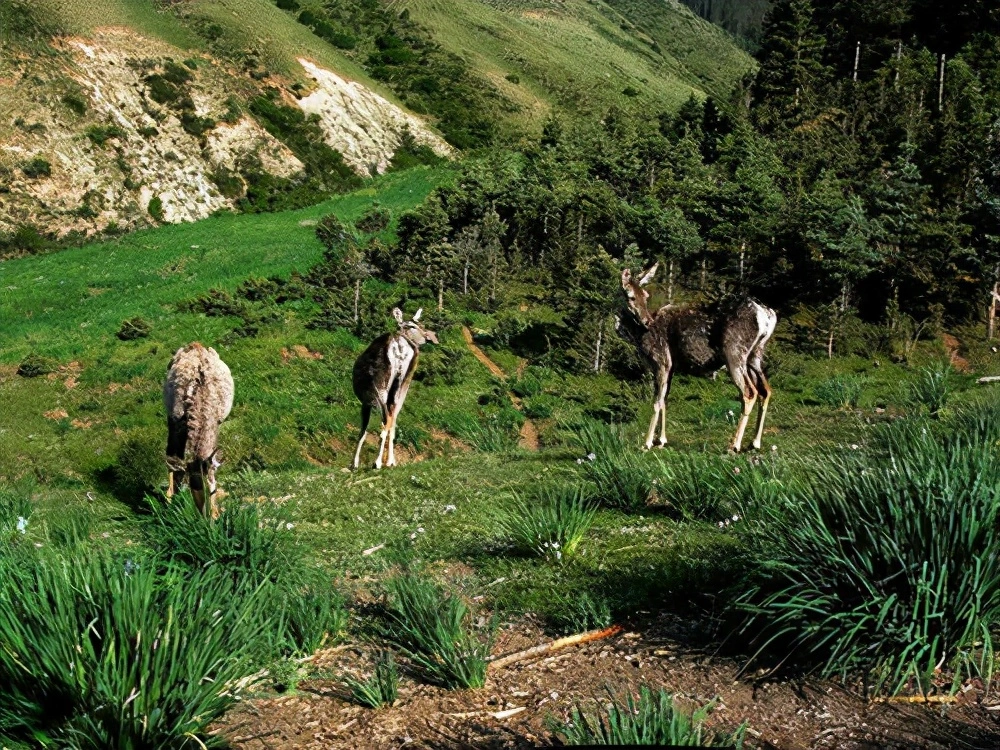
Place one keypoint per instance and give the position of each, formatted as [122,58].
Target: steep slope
[741,18]
[585,55]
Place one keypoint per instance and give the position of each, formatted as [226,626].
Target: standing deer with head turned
[382,376]
[198,395]
[687,339]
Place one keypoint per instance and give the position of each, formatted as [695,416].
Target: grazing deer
[198,395]
[691,340]
[382,376]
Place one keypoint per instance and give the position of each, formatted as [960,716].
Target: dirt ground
[511,711]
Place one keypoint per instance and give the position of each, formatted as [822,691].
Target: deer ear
[417,314]
[626,278]
[398,315]
[648,276]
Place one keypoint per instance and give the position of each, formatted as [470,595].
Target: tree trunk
[465,279]
[704,272]
[357,298]
[991,318]
[829,343]
[579,229]
[600,340]
[743,253]
[670,283]
[941,85]
[441,294]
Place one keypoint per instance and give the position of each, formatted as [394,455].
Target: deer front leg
[662,376]
[664,394]
[383,434]
[749,396]
[366,415]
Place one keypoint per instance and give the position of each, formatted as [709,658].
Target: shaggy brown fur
[696,341]
[198,395]
[382,376]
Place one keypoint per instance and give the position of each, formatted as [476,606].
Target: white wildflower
[736,470]
[736,517]
[854,446]
[420,529]
[22,524]
[450,509]
[591,456]
[289,526]
[774,448]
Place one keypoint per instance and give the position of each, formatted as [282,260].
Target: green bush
[139,466]
[155,209]
[381,689]
[101,652]
[653,719]
[550,524]
[432,629]
[34,366]
[134,328]
[101,134]
[884,564]
[37,167]
[375,219]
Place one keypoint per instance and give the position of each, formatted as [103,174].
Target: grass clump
[884,565]
[432,628]
[619,473]
[652,719]
[134,328]
[101,652]
[840,391]
[34,366]
[381,689]
[932,388]
[36,168]
[550,524]
[139,466]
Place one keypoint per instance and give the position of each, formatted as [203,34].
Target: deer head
[412,331]
[635,291]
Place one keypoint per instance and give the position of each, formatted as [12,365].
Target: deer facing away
[198,394]
[677,338]
[382,376]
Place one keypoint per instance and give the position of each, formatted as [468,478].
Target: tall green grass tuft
[932,387]
[883,563]
[100,652]
[550,524]
[652,719]
[381,689]
[432,629]
[255,544]
[622,478]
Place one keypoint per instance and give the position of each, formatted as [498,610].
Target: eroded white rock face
[363,126]
[148,156]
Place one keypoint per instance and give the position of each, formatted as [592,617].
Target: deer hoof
[646,446]
[756,445]
[662,443]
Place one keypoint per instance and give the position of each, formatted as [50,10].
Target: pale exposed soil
[660,651]
[363,126]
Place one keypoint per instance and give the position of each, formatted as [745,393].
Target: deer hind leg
[764,390]
[366,415]
[748,394]
[176,444]
[383,432]
[397,406]
[663,408]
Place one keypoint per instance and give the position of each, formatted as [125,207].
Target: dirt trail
[952,346]
[529,433]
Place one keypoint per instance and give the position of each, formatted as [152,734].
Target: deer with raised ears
[198,395]
[382,376]
[692,340]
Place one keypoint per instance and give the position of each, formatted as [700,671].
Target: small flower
[774,448]
[721,525]
[420,529]
[130,567]
[450,509]
[854,446]
[579,460]
[413,535]
[289,526]
[736,470]
[22,524]
[591,456]
[736,517]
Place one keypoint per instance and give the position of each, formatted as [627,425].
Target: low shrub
[34,366]
[381,689]
[155,209]
[551,524]
[139,466]
[883,563]
[133,329]
[36,168]
[652,719]
[432,629]
[375,219]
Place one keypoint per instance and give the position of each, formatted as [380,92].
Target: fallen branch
[916,699]
[989,379]
[571,640]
